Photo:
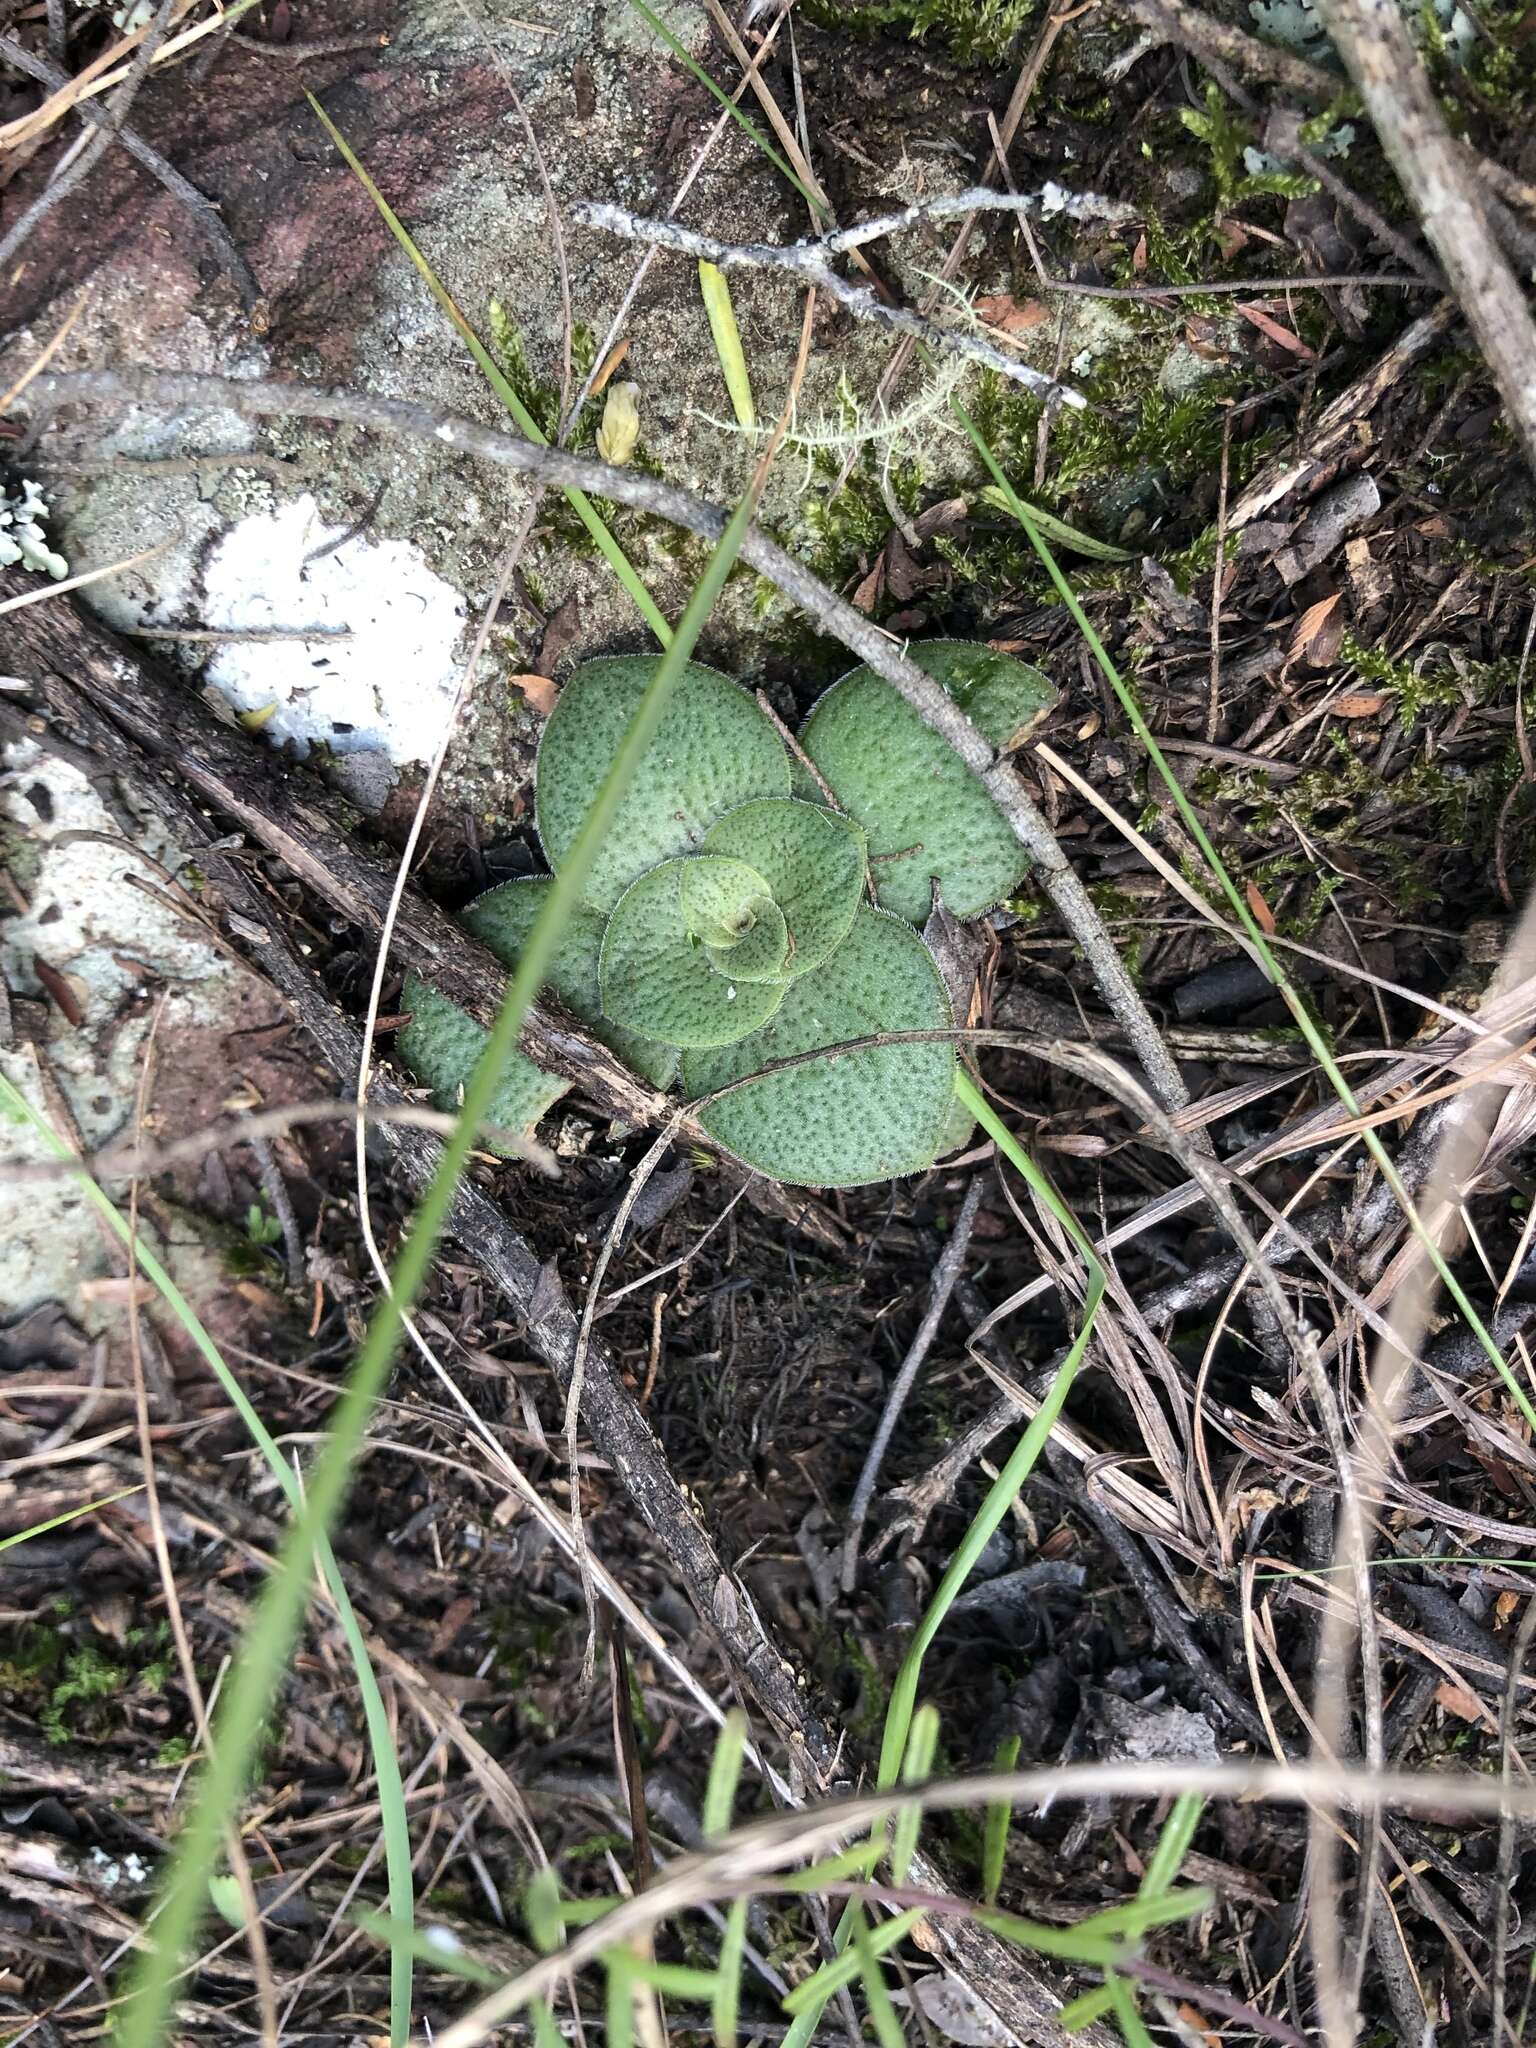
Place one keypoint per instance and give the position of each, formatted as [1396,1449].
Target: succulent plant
[728,922]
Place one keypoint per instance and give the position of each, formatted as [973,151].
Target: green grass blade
[544,1911]
[437,1955]
[1130,2022]
[727,338]
[676,1980]
[1057,529]
[253,1684]
[994,1846]
[1162,1868]
[69,1515]
[903,1702]
[546,2032]
[1172,1845]
[831,1977]
[922,1746]
[898,1719]
[725,2007]
[381,1741]
[1317,1045]
[876,1996]
[619,2005]
[744,122]
[491,370]
[724,1774]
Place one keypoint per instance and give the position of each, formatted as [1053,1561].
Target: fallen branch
[860,635]
[235,774]
[1373,39]
[1339,430]
[1025,2002]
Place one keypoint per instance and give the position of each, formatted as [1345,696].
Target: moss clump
[974,31]
[1418,687]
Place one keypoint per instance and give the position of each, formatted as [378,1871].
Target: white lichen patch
[385,688]
[22,539]
[110,941]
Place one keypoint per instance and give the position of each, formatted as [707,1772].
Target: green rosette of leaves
[730,926]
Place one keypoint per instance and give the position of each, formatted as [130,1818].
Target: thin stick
[604,355]
[811,260]
[929,699]
[1218,581]
[1466,1128]
[1373,39]
[1504,1871]
[20,232]
[1023,91]
[946,1273]
[239,1863]
[181,189]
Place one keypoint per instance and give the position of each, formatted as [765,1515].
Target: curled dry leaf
[540,692]
[1268,325]
[1010,315]
[1318,631]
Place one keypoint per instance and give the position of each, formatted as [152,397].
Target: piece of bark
[1343,428]
[288,811]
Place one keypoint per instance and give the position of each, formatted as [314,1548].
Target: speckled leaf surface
[863,1116]
[813,862]
[1004,699]
[712,751]
[926,815]
[502,919]
[658,979]
[441,1044]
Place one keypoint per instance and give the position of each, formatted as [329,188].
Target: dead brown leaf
[1281,336]
[1011,315]
[1199,2024]
[540,692]
[112,1291]
[1263,915]
[1459,1700]
[1364,705]
[867,595]
[60,987]
[1309,641]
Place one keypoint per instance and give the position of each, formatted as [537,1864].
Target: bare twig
[182,190]
[812,261]
[1504,1874]
[945,1274]
[1457,1158]
[929,699]
[22,228]
[1373,39]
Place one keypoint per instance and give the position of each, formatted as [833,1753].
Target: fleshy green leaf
[712,751]
[442,1042]
[502,919]
[718,899]
[863,1116]
[926,815]
[813,862]
[1058,530]
[657,976]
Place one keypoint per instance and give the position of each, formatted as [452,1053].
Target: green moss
[1228,139]
[87,1677]
[975,31]
[1418,688]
